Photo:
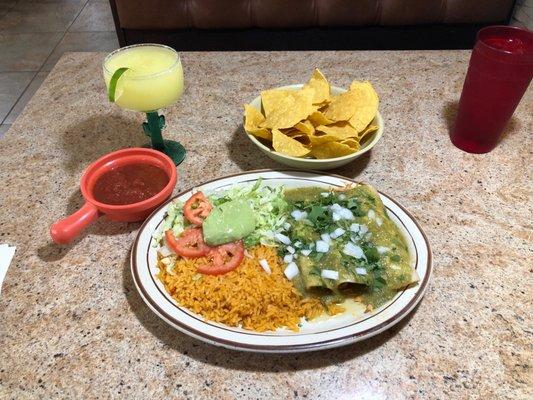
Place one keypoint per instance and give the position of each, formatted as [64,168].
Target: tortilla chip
[269,98]
[305,127]
[367,131]
[319,138]
[352,143]
[366,104]
[288,146]
[303,139]
[290,132]
[321,86]
[287,110]
[341,130]
[318,118]
[342,107]
[262,133]
[331,150]
[252,118]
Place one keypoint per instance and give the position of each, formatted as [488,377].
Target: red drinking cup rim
[502,54]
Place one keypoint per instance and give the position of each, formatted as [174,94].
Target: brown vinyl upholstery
[239,14]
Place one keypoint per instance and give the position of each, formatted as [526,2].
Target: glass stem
[154,126]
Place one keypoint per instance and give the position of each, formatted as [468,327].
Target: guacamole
[228,222]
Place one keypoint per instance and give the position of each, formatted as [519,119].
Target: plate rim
[292,348]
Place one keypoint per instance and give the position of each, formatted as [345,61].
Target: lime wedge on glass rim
[113,83]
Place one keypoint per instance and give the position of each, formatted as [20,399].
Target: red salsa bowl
[126,185]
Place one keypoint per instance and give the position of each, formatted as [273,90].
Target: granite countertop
[74,326]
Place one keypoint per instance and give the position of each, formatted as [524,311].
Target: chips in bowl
[311,122]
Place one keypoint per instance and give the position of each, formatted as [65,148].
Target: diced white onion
[353,250]
[326,238]
[264,264]
[342,196]
[286,226]
[371,214]
[305,252]
[363,230]
[287,259]
[298,215]
[335,207]
[360,271]
[324,194]
[346,214]
[297,244]
[330,274]
[290,249]
[291,271]
[165,251]
[337,233]
[322,247]
[382,249]
[355,227]
[311,245]
[339,212]
[379,221]
[165,260]
[282,238]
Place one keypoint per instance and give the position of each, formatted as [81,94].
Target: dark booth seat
[306,24]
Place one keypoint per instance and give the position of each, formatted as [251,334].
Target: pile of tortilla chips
[311,122]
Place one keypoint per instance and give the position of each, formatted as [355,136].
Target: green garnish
[379,282]
[113,83]
[317,213]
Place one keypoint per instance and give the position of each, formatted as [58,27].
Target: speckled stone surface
[73,325]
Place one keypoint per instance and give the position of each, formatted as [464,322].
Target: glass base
[174,150]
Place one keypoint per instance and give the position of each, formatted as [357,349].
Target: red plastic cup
[500,69]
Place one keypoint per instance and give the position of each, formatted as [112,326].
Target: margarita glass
[147,77]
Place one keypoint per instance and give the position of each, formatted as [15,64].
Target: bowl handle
[65,230]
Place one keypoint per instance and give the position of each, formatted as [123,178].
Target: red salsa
[129,184]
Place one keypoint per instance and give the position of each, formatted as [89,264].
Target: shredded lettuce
[267,203]
[173,220]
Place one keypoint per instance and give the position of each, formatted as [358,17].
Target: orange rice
[246,297]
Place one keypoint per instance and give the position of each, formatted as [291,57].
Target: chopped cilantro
[316,213]
[379,282]
[371,252]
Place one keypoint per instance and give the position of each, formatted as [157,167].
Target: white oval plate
[327,333]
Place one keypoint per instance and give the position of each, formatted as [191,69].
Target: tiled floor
[33,36]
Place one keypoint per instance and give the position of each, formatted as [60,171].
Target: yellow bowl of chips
[313,125]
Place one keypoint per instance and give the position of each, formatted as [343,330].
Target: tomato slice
[224,258]
[189,244]
[197,208]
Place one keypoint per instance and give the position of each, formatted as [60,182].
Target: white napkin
[6,255]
